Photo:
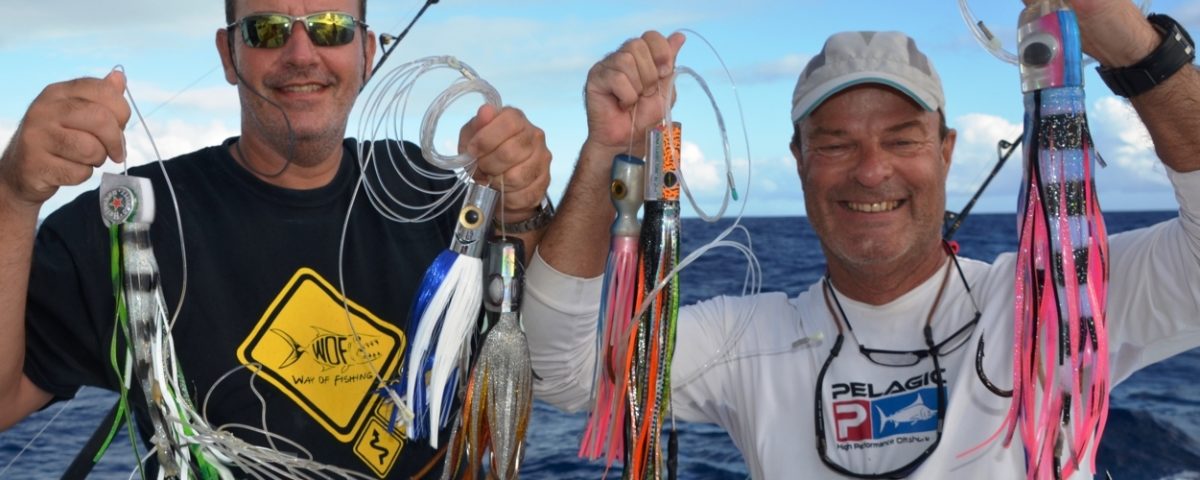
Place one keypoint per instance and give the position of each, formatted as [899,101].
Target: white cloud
[769,186]
[975,152]
[701,174]
[1125,144]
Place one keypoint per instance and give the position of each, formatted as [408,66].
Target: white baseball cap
[854,58]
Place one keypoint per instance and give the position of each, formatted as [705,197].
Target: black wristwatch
[1176,51]
[538,221]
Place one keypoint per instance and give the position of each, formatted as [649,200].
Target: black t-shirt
[263,292]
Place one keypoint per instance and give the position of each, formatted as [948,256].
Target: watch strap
[1174,52]
[538,221]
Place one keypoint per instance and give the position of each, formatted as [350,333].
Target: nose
[874,166]
[299,49]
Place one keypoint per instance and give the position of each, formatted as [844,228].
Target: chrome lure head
[126,199]
[503,275]
[474,220]
[662,162]
[1048,47]
[627,194]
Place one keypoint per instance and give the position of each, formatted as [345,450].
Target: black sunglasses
[894,358]
[903,471]
[272,30]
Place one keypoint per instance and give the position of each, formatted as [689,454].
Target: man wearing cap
[840,381]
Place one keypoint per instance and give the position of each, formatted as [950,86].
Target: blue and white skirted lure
[444,317]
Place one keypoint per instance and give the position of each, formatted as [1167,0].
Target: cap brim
[819,95]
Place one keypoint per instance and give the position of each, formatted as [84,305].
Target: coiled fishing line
[383,116]
[992,44]
[384,111]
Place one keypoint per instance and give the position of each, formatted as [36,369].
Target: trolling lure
[601,436]
[443,317]
[499,398]
[1060,357]
[651,345]
[127,209]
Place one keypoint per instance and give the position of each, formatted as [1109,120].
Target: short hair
[229,19]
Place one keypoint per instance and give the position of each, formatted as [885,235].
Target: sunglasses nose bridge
[298,44]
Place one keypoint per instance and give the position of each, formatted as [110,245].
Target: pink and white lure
[604,434]
[1060,357]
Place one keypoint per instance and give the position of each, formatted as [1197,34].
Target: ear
[369,46]
[948,147]
[796,154]
[224,48]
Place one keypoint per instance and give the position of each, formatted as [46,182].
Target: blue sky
[537,53]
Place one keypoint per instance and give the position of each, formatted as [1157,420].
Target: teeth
[302,88]
[874,207]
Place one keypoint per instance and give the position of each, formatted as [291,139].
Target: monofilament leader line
[752,284]
[383,117]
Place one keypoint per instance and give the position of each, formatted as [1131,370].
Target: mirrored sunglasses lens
[266,31]
[330,29]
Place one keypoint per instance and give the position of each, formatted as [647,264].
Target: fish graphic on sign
[330,349]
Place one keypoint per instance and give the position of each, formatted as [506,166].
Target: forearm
[576,243]
[1171,112]
[18,222]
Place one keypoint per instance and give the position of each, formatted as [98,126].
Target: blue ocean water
[1153,430]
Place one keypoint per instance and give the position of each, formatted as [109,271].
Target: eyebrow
[835,132]
[840,132]
[905,126]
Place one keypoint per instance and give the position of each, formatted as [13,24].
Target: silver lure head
[627,194]
[474,220]
[504,276]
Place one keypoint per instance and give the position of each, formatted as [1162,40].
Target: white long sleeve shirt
[750,364]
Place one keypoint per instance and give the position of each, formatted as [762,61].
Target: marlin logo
[911,414]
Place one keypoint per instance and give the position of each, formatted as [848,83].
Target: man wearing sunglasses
[300,315]
[870,372]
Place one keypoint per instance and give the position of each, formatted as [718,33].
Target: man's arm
[624,97]
[70,129]
[1117,34]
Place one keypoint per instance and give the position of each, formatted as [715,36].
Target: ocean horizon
[1153,431]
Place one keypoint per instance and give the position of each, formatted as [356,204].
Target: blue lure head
[1048,47]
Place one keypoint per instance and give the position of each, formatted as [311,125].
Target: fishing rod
[953,221]
[394,41]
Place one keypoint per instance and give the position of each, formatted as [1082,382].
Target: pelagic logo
[871,413]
